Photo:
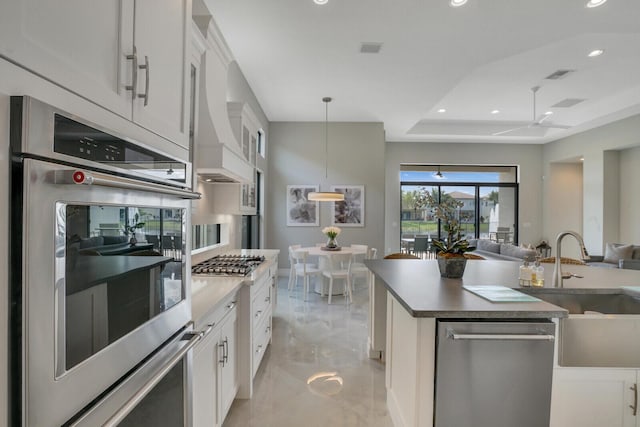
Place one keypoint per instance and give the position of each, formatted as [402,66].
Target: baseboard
[394,410]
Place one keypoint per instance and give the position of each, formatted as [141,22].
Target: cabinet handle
[146,68]
[226,350]
[267,299]
[231,305]
[222,361]
[258,313]
[259,349]
[266,331]
[133,87]
[634,388]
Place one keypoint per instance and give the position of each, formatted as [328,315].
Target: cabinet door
[591,397]
[161,38]
[205,381]
[228,374]
[80,45]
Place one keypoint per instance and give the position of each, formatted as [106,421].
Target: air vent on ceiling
[558,74]
[370,47]
[569,102]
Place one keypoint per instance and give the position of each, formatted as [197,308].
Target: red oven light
[78,177]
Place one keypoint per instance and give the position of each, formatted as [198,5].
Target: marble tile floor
[316,372]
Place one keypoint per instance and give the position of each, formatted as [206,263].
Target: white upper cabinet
[162,38]
[97,49]
[76,44]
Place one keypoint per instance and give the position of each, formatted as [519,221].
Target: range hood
[219,156]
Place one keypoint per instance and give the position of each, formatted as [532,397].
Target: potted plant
[132,227]
[451,250]
[331,233]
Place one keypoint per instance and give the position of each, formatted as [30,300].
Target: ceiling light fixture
[457,3]
[326,196]
[595,3]
[495,111]
[438,175]
[442,110]
[321,2]
[595,53]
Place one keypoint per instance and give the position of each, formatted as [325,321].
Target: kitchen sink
[589,302]
[602,329]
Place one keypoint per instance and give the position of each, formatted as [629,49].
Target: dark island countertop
[93,270]
[418,287]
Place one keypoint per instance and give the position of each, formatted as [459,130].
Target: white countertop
[207,292]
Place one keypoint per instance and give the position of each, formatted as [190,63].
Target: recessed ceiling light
[442,110]
[595,3]
[458,3]
[595,53]
[321,1]
[495,111]
[548,113]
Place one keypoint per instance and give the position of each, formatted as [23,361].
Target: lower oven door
[88,307]
[157,393]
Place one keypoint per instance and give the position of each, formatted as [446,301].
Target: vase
[133,240]
[332,243]
[451,267]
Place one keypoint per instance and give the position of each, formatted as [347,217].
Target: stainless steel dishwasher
[494,374]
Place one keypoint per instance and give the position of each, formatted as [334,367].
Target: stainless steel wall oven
[100,304]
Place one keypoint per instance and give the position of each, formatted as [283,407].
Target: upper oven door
[104,282]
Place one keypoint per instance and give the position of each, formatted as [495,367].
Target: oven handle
[81,177]
[194,338]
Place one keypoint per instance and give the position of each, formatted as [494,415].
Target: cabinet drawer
[261,337]
[215,317]
[261,304]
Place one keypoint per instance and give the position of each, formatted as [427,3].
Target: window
[488,197]
[262,149]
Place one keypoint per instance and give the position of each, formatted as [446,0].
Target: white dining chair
[358,269]
[304,270]
[339,268]
[292,266]
[357,263]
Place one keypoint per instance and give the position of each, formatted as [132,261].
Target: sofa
[105,245]
[489,249]
[618,255]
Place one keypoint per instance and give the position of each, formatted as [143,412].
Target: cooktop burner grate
[228,265]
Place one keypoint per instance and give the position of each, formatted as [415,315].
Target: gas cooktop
[228,265]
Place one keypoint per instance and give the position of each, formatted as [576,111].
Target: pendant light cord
[326,100]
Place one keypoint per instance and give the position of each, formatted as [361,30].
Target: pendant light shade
[438,175]
[326,196]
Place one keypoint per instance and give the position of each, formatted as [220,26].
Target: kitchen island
[418,299]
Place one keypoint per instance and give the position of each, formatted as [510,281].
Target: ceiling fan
[536,123]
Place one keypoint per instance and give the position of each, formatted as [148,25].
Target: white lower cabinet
[215,379]
[595,397]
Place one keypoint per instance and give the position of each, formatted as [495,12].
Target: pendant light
[438,175]
[326,196]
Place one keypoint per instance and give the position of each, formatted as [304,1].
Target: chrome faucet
[558,276]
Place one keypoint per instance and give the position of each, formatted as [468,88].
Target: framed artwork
[301,212]
[350,212]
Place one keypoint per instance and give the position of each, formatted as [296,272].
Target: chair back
[299,257]
[421,244]
[340,262]
[364,252]
[373,253]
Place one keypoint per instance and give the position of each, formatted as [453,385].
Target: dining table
[322,286]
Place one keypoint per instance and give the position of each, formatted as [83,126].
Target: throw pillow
[488,245]
[614,252]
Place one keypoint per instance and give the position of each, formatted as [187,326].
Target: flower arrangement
[331,232]
[445,210]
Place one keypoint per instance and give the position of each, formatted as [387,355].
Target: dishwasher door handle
[502,337]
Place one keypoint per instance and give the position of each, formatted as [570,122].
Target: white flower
[331,232]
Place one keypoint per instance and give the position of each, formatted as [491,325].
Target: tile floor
[314,339]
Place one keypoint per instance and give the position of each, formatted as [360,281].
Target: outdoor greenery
[445,208]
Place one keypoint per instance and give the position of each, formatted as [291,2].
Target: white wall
[629,196]
[564,205]
[297,156]
[603,211]
[527,157]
